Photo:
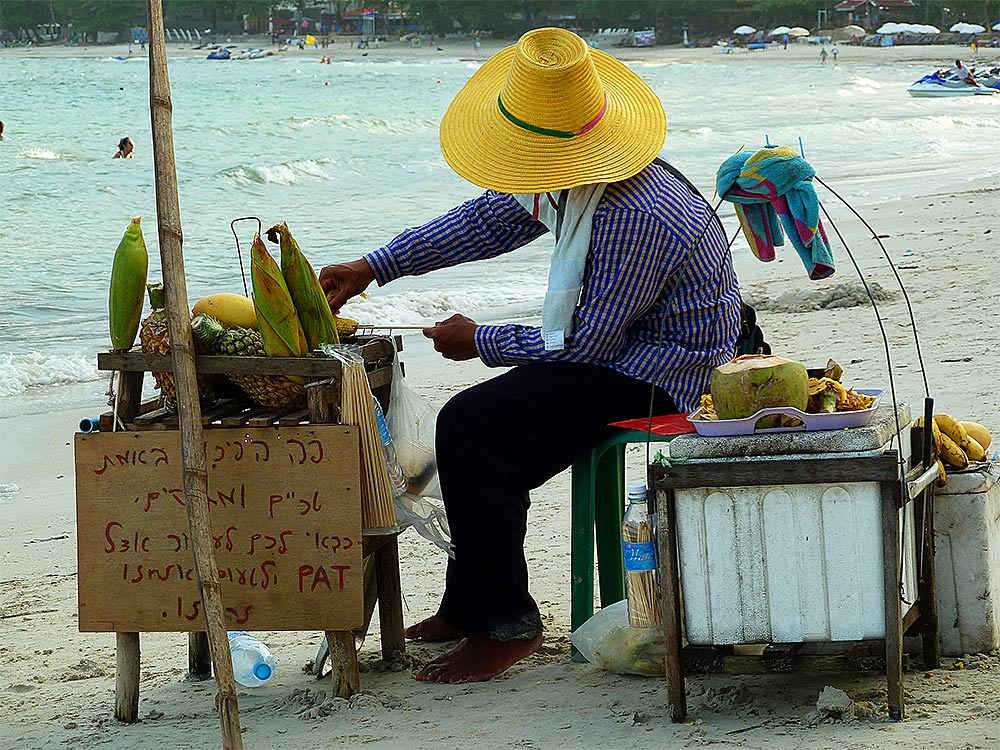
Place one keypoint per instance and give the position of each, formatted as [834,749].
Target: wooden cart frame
[379,547]
[916,491]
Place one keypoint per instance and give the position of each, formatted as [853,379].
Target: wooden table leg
[928,586]
[345,678]
[127,677]
[893,605]
[670,602]
[390,599]
[199,657]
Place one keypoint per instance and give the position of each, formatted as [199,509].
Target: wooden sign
[285,505]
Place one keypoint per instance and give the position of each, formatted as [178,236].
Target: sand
[57,685]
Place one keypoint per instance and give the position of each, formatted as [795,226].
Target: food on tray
[756,384]
[303,286]
[278,322]
[752,382]
[128,287]
[232,310]
[270,390]
[154,337]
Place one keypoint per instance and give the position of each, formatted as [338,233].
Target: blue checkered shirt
[642,231]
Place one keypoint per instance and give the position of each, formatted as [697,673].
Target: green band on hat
[533,128]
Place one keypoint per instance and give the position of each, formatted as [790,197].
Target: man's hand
[342,281]
[455,338]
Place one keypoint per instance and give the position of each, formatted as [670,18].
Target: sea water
[348,155]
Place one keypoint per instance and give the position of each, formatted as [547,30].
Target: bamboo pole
[168,216]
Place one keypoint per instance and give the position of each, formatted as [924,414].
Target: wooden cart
[379,546]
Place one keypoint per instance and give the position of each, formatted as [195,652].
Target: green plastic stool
[600,474]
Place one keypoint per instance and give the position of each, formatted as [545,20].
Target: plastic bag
[411,420]
[608,641]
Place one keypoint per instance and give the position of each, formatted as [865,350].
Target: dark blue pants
[497,441]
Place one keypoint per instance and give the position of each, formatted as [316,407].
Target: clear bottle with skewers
[639,552]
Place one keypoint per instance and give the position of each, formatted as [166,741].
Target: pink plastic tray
[810,422]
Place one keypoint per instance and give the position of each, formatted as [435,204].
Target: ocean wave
[43,153]
[427,307]
[289,173]
[374,126]
[18,372]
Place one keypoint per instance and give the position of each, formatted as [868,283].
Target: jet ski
[219,54]
[935,85]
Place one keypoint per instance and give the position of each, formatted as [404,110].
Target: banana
[128,287]
[956,430]
[974,450]
[942,479]
[276,317]
[935,432]
[303,286]
[952,428]
[978,433]
[951,453]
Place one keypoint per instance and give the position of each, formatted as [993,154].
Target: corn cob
[270,390]
[128,287]
[303,286]
[276,317]
[345,326]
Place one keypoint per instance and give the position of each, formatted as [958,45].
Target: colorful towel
[773,189]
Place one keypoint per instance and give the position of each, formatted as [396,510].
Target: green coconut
[747,384]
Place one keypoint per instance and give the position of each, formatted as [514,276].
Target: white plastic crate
[967,562]
[784,564]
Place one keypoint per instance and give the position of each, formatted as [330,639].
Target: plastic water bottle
[396,476]
[253,664]
[639,553]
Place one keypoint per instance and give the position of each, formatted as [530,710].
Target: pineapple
[270,390]
[155,339]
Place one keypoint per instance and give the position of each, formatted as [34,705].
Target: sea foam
[18,372]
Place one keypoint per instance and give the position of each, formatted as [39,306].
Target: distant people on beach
[835,50]
[784,41]
[125,148]
[822,54]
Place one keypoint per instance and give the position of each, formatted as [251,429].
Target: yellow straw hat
[551,113]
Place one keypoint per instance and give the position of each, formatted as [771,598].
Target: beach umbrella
[798,31]
[854,30]
[780,30]
[744,30]
[968,28]
[193,457]
[892,28]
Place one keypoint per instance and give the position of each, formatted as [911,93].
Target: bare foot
[478,659]
[433,630]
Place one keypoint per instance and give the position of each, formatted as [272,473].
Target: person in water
[642,305]
[1,130]
[125,148]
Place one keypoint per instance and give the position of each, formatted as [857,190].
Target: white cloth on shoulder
[569,257]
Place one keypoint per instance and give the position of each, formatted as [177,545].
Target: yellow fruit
[951,453]
[979,433]
[974,450]
[942,478]
[935,432]
[232,310]
[952,428]
[128,287]
[345,326]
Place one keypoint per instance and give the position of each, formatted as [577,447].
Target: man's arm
[631,256]
[484,227]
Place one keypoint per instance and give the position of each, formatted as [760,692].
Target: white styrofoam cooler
[785,563]
[967,561]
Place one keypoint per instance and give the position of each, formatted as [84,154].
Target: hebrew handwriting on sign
[286,530]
